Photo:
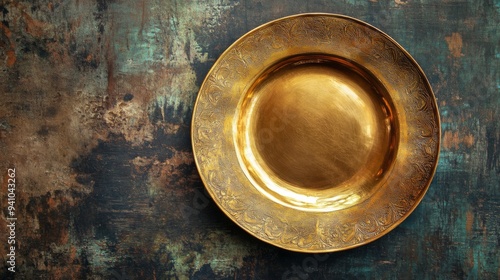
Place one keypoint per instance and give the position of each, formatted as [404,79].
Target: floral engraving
[336,35]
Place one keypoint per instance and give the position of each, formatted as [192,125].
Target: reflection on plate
[316,133]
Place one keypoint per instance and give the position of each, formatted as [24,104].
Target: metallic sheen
[316,133]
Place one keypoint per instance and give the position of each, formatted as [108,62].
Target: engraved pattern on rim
[213,145]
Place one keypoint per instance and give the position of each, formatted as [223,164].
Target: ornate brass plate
[316,133]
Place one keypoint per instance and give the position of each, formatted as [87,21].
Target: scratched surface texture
[95,107]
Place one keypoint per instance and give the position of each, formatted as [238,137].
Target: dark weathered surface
[95,109]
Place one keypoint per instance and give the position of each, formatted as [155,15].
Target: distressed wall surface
[95,108]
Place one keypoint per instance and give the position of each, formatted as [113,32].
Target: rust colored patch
[10,54]
[144,15]
[453,140]
[168,173]
[130,120]
[469,221]
[469,140]
[470,258]
[51,202]
[111,98]
[455,44]
[11,58]
[5,30]
[43,147]
[450,140]
[34,27]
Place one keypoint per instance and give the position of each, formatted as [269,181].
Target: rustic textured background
[95,107]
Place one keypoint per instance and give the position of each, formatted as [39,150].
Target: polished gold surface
[316,133]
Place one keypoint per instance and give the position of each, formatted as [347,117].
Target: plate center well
[317,133]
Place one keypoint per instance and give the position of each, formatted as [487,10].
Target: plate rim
[430,173]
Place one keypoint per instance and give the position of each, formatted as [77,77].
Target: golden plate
[316,133]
